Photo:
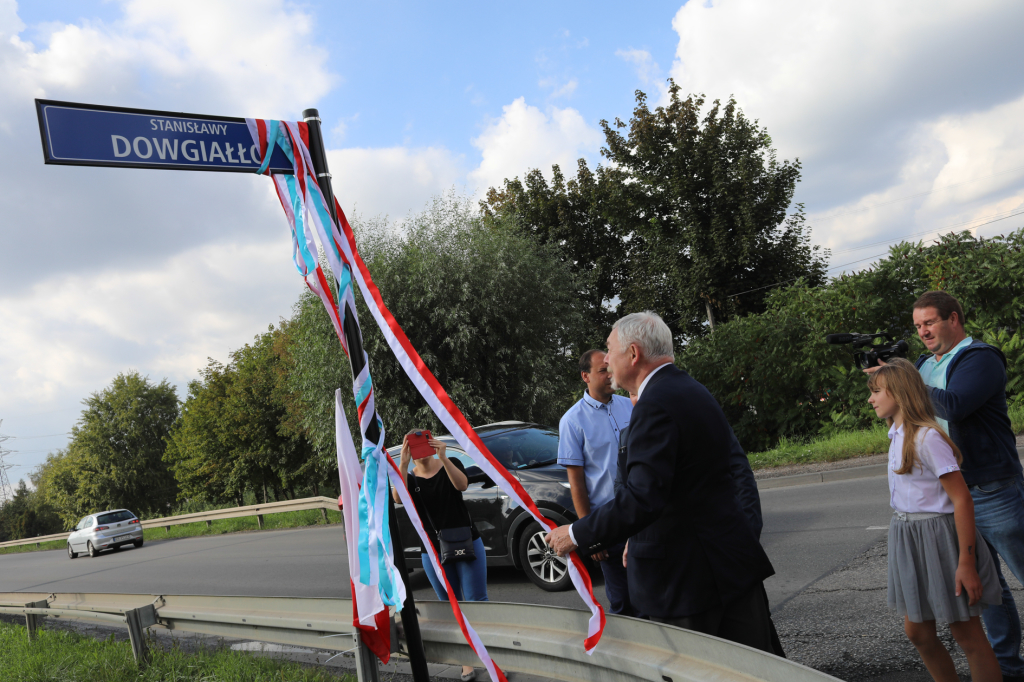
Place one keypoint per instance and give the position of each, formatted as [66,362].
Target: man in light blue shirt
[588,446]
[933,371]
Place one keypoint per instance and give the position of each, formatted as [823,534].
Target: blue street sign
[90,135]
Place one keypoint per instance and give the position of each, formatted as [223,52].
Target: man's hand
[559,540]
[872,370]
[625,552]
[600,556]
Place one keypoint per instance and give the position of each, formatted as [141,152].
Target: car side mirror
[475,474]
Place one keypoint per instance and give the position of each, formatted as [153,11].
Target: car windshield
[114,517]
[523,448]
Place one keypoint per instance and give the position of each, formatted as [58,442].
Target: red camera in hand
[419,445]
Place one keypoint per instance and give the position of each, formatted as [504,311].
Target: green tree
[26,515]
[266,454]
[114,457]
[232,435]
[199,453]
[690,217]
[493,314]
[574,216]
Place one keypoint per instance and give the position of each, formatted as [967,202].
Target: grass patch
[826,449]
[43,546]
[71,657]
[295,519]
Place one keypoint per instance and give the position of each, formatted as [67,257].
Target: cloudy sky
[908,118]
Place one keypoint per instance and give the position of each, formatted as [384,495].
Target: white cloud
[557,88]
[879,101]
[391,181]
[526,137]
[102,270]
[647,70]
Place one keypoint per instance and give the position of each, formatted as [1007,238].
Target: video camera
[870,358]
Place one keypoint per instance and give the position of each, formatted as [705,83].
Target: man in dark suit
[693,559]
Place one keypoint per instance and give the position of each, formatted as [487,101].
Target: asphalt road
[809,531]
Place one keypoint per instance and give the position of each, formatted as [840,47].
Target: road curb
[831,475]
[822,476]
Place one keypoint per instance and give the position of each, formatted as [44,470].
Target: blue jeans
[467,578]
[999,517]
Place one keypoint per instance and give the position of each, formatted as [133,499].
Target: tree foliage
[493,315]
[232,436]
[114,457]
[26,515]
[776,376]
[689,218]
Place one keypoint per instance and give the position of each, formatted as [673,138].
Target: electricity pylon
[6,491]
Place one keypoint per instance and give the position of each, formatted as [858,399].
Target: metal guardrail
[538,640]
[257,510]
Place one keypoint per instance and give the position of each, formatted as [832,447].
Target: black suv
[509,533]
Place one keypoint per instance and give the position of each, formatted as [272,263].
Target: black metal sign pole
[410,623]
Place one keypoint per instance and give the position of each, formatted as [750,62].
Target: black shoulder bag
[456,543]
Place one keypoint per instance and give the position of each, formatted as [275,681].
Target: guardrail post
[323,515]
[138,620]
[209,524]
[367,669]
[259,521]
[32,620]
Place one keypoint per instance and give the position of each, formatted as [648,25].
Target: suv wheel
[71,553]
[543,567]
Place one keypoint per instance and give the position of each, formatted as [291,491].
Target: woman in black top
[436,485]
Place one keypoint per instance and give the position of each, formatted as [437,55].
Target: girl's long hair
[901,380]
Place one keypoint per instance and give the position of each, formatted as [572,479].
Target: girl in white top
[939,571]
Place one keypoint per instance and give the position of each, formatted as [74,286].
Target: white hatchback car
[105,530]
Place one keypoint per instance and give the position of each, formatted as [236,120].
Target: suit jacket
[691,546]
[747,493]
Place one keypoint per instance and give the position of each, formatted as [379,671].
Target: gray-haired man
[693,559]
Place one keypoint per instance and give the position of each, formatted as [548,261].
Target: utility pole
[410,622]
[6,491]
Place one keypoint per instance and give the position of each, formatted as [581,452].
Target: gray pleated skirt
[923,558]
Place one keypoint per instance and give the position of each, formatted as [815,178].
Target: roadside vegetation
[297,519]
[839,446]
[690,215]
[71,657]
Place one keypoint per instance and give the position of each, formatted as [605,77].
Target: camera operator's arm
[978,377]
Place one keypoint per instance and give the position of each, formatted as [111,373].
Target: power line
[939,229]
[914,196]
[879,255]
[49,435]
[834,267]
